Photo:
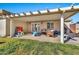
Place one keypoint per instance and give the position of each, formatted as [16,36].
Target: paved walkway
[75,40]
[42,38]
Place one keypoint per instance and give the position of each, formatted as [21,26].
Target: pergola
[59,13]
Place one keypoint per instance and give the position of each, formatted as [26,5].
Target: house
[74,27]
[35,21]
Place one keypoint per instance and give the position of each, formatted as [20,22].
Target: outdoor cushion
[36,33]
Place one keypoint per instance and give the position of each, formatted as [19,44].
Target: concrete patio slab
[75,40]
[42,38]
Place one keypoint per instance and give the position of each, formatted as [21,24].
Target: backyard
[14,46]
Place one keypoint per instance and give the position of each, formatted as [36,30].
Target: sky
[26,7]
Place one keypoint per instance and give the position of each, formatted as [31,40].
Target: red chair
[19,30]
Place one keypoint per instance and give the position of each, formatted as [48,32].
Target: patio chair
[43,31]
[19,32]
[50,34]
[56,33]
[36,33]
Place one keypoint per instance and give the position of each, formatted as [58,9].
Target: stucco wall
[2,27]
[29,27]
[14,24]
[7,27]
[40,18]
[21,23]
[56,25]
[43,25]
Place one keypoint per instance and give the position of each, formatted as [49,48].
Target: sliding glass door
[35,27]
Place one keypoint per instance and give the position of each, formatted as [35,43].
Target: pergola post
[10,28]
[62,28]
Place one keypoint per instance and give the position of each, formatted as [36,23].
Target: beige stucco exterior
[15,23]
[21,23]
[27,26]
[43,25]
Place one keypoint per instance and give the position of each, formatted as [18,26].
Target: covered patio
[59,14]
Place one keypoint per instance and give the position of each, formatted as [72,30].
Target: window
[49,25]
[35,27]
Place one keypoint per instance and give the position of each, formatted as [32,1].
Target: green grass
[10,46]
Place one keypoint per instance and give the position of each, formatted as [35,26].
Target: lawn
[11,46]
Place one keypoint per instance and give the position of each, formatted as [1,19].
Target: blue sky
[26,7]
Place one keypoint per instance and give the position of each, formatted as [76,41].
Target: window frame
[51,25]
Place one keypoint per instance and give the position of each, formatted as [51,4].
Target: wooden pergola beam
[48,10]
[24,13]
[38,11]
[31,13]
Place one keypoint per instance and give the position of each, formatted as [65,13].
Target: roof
[4,12]
[53,13]
[57,10]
